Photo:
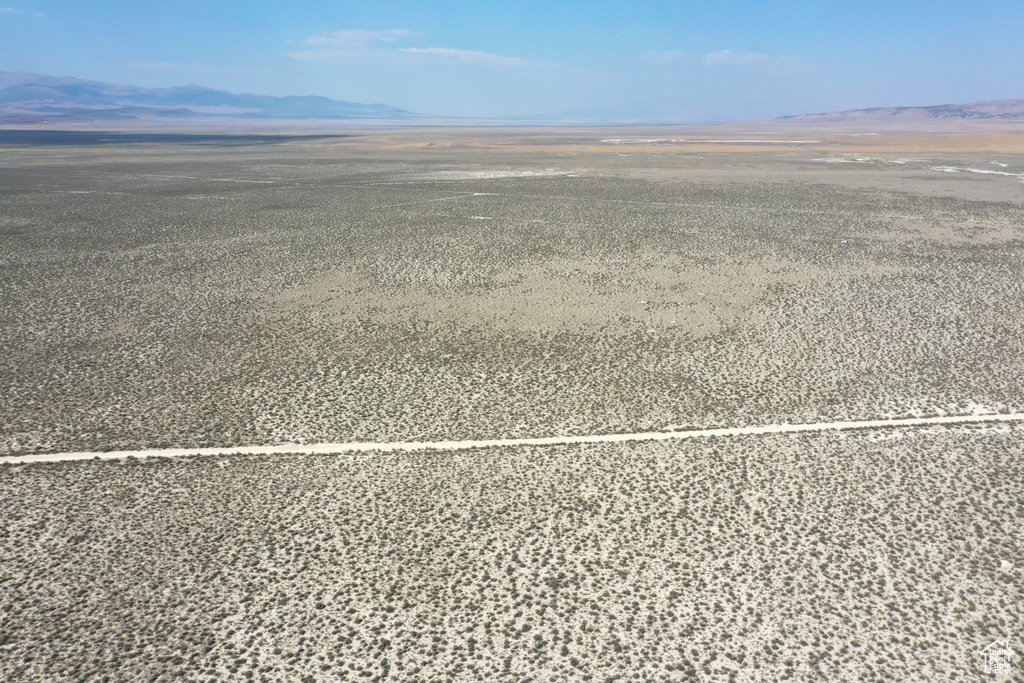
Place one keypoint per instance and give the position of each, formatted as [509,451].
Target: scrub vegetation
[218,295]
[399,287]
[850,556]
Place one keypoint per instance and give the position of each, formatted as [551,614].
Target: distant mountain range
[31,98]
[996,109]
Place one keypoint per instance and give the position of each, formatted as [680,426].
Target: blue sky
[679,60]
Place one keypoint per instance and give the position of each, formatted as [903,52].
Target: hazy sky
[687,60]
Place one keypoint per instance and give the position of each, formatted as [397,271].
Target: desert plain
[172,290]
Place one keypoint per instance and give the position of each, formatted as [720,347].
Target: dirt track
[363,447]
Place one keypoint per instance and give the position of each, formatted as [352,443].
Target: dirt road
[369,447]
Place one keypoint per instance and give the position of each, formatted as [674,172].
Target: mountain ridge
[34,98]
[25,96]
[990,109]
